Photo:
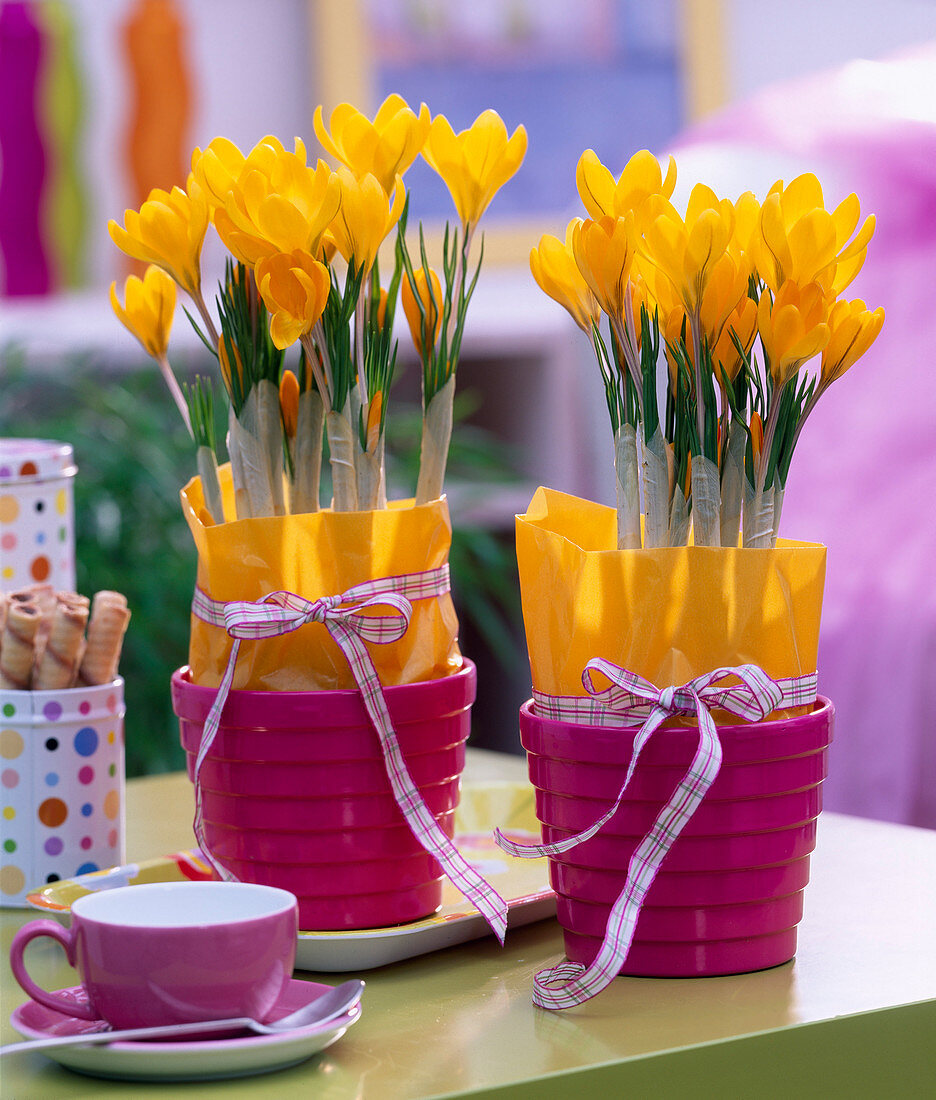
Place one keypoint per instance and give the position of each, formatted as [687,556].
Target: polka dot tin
[37,525]
[61,786]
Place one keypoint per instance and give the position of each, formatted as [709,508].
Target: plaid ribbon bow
[350,626]
[628,697]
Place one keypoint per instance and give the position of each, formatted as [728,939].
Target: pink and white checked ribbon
[345,619]
[629,697]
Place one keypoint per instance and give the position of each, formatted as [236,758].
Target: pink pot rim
[744,744]
[341,707]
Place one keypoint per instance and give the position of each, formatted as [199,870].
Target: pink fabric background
[863,479]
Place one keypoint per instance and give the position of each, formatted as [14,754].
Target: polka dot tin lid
[26,460]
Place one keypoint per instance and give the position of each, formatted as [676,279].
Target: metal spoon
[329,1006]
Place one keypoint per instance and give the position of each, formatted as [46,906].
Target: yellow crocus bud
[365,216]
[289,402]
[150,303]
[553,266]
[168,231]
[224,364]
[604,253]
[424,325]
[372,429]
[294,287]
[743,323]
[384,148]
[475,163]
[757,436]
[380,308]
[792,328]
[603,196]
[853,328]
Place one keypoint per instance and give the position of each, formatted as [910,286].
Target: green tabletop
[854,1015]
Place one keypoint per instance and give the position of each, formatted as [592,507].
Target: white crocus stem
[706,502]
[270,430]
[307,453]
[656,482]
[175,390]
[627,487]
[207,466]
[732,483]
[341,455]
[434,446]
[210,330]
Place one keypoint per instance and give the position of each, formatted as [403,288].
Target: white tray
[522,883]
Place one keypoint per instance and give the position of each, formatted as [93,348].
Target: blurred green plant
[133,456]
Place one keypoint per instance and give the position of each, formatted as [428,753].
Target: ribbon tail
[425,828]
[209,732]
[534,851]
[569,984]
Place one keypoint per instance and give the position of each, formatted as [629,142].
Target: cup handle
[66,938]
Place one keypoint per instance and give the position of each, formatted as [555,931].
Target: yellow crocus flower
[168,231]
[853,328]
[289,402]
[553,265]
[294,287]
[218,168]
[686,250]
[365,216]
[475,163]
[642,177]
[604,252]
[423,325]
[279,205]
[384,148]
[799,239]
[792,328]
[150,304]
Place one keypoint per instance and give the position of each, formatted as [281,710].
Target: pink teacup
[175,952]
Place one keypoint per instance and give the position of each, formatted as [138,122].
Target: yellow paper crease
[667,614]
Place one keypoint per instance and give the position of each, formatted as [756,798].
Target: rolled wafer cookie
[58,664]
[109,618]
[17,650]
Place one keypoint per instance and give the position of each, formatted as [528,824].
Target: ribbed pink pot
[730,892]
[295,793]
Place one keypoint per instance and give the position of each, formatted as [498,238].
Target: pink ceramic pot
[295,793]
[730,892]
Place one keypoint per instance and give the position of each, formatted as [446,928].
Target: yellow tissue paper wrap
[668,615]
[318,554]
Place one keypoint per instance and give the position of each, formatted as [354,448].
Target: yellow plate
[523,883]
